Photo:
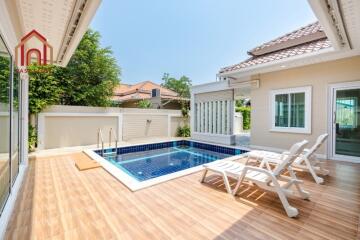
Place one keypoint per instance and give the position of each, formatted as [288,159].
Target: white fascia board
[321,12]
[87,15]
[210,87]
[324,55]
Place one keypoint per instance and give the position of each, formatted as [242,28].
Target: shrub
[32,141]
[183,131]
[144,104]
[245,111]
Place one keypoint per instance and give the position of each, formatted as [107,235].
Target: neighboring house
[128,96]
[301,85]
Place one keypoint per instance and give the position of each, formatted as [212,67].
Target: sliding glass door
[5,126]
[348,122]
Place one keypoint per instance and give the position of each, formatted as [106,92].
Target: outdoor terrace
[59,202]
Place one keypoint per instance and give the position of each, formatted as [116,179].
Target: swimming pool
[144,165]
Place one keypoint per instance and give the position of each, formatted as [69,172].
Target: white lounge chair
[266,179]
[306,161]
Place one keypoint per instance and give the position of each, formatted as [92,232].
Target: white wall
[66,126]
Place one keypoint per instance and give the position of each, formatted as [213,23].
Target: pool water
[145,165]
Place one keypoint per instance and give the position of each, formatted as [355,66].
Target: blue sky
[191,37]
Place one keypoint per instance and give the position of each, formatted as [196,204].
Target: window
[291,110]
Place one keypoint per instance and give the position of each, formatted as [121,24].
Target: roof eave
[72,38]
[323,55]
[336,35]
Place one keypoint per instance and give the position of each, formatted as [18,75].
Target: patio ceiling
[62,22]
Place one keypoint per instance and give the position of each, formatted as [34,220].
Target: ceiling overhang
[61,22]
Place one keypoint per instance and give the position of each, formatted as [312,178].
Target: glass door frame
[333,88]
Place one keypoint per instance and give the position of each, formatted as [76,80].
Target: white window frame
[307,118]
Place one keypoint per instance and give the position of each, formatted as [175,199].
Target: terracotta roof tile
[308,39]
[281,54]
[302,32]
[142,90]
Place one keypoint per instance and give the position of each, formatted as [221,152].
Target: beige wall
[319,76]
[137,126]
[65,126]
[76,131]
[175,123]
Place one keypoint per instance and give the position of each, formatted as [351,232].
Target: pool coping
[135,185]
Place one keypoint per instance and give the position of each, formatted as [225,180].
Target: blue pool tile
[153,160]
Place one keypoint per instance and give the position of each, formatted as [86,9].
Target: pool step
[110,153]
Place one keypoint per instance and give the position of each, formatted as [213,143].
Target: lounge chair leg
[203,176]
[227,184]
[303,194]
[290,211]
[238,184]
[317,179]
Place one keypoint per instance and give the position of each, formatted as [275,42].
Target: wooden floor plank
[57,201]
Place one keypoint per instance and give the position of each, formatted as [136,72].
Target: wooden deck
[59,202]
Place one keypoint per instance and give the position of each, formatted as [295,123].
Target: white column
[202,117]
[229,117]
[24,117]
[232,116]
[214,117]
[192,113]
[198,117]
[223,117]
[210,118]
[218,113]
[206,117]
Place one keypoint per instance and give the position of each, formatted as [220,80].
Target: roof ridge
[290,36]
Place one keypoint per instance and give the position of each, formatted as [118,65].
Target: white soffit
[61,22]
[351,16]
[340,20]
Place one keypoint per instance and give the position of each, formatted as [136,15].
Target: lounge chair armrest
[258,169]
[265,162]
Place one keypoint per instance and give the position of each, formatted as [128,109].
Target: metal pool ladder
[100,138]
[111,133]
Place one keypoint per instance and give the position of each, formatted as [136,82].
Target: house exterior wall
[319,76]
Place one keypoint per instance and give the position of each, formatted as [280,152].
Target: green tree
[246,114]
[44,87]
[181,86]
[4,79]
[144,104]
[91,74]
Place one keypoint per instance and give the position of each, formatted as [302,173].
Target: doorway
[345,124]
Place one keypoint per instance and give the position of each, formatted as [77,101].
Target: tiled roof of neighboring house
[139,91]
[308,39]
